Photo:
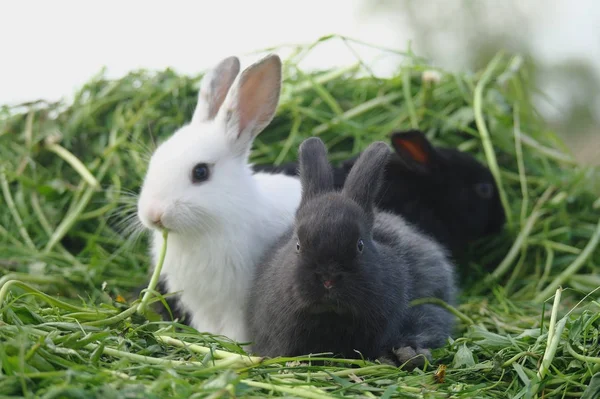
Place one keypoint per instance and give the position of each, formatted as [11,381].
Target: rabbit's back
[429,274]
[426,261]
[283,192]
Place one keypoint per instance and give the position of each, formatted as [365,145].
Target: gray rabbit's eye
[360,245]
[297,246]
[484,190]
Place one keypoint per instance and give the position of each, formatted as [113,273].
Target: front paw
[411,357]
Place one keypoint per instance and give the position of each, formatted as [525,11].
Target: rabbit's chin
[327,307]
[324,303]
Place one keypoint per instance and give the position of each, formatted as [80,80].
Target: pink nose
[155,215]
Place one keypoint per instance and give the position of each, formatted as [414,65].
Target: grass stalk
[549,152]
[324,78]
[520,165]
[587,359]
[356,111]
[573,267]
[143,359]
[246,360]
[296,391]
[485,135]
[554,334]
[520,240]
[143,307]
[37,210]
[435,301]
[114,319]
[75,163]
[47,298]
[13,209]
[72,217]
[369,370]
[414,121]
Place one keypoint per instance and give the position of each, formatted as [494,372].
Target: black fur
[291,311]
[177,312]
[441,196]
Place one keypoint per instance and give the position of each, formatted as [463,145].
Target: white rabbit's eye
[200,173]
[297,246]
[360,245]
[484,190]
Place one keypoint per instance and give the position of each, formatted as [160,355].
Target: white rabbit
[220,216]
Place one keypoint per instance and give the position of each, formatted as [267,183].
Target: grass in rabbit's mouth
[71,255]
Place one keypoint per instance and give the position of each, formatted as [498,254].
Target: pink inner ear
[254,95]
[415,150]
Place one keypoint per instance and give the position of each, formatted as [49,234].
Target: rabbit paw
[388,360]
[411,357]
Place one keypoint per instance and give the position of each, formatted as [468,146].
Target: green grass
[69,326]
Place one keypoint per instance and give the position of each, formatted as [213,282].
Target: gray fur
[365,178]
[431,276]
[291,311]
[316,174]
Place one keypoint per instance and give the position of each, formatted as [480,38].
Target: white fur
[220,228]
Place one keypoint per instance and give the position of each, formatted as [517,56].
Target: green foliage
[69,174]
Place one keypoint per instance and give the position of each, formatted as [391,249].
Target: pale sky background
[51,48]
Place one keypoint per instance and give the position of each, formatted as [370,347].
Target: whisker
[127,220]
[123,210]
[125,192]
[142,147]
[126,223]
[134,236]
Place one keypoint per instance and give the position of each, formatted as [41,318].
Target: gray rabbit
[342,278]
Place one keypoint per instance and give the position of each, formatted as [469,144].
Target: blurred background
[49,49]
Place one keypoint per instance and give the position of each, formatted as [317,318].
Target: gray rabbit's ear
[364,180]
[316,173]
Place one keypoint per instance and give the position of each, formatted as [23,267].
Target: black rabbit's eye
[200,173]
[484,190]
[297,246]
[360,245]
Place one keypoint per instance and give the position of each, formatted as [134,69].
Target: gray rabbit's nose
[328,284]
[330,280]
[326,279]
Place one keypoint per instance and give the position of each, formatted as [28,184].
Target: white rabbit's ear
[214,87]
[252,101]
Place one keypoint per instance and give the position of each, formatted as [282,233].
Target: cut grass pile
[69,265]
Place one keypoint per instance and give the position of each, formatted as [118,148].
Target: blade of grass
[573,267]
[485,136]
[143,306]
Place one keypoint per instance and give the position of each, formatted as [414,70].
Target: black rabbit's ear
[316,173]
[364,180]
[415,151]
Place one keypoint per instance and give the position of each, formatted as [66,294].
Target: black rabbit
[446,193]
[341,279]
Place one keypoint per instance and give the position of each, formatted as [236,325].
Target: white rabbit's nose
[155,214]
